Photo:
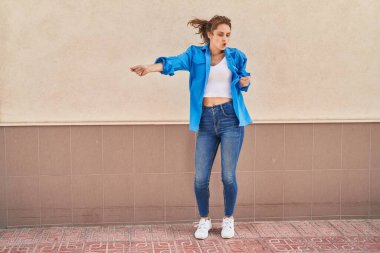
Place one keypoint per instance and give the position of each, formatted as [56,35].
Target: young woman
[217,111]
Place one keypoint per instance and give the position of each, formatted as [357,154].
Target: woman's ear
[209,35]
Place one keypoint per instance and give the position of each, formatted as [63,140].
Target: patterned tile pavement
[269,236]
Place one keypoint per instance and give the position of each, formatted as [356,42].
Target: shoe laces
[200,224]
[228,222]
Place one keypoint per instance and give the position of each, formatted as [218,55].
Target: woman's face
[220,36]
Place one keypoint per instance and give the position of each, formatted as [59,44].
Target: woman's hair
[205,26]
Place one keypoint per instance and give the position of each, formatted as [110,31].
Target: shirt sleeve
[241,70]
[174,63]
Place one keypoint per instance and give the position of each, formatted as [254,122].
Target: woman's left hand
[244,81]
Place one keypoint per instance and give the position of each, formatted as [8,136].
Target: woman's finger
[137,67]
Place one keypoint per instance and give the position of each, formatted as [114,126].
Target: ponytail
[205,26]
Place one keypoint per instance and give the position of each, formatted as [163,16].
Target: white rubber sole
[227,237]
[202,238]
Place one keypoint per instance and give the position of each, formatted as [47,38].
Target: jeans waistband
[216,106]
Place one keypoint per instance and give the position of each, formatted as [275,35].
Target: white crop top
[219,80]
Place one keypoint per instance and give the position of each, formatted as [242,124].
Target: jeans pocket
[228,111]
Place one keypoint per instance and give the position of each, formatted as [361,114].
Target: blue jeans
[219,124]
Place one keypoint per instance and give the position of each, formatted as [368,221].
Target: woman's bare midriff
[210,101]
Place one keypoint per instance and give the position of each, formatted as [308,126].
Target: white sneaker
[204,226]
[228,230]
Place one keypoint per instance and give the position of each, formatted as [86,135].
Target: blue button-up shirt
[197,60]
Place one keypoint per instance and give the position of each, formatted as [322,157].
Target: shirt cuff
[167,66]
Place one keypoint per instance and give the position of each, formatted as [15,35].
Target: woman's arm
[245,76]
[166,65]
[142,70]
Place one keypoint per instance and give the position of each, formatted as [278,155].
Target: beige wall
[67,62]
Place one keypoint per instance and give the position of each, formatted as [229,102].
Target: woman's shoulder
[193,48]
[238,55]
[236,50]
[196,47]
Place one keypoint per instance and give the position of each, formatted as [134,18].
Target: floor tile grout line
[302,234]
[344,235]
[369,221]
[62,237]
[39,237]
[351,221]
[336,228]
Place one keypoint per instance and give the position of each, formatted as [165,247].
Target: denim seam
[214,123]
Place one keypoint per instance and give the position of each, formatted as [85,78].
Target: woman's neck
[215,51]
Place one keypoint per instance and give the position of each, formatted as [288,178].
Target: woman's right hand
[140,70]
